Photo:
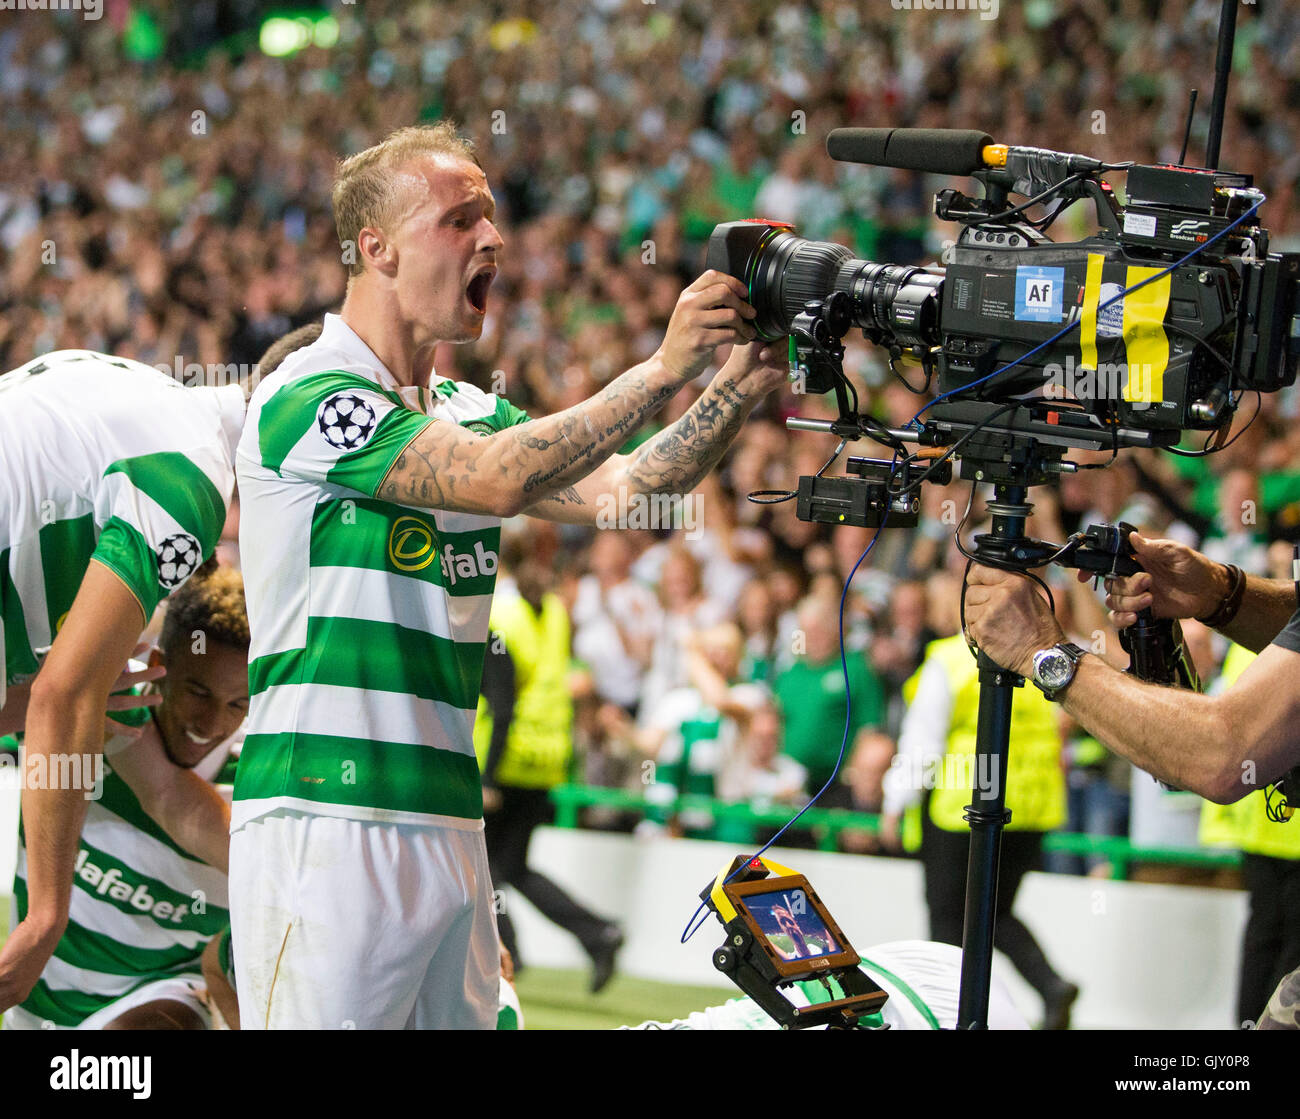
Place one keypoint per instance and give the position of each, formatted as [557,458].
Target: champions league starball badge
[346,421]
[179,557]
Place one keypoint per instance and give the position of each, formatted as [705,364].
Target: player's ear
[377,250]
[156,657]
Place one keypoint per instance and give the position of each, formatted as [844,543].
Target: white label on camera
[1140,225]
[1110,315]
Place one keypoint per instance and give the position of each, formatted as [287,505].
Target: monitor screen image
[791,924]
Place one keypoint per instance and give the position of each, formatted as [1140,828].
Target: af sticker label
[1039,293]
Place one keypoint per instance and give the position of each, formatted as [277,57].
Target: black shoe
[603,954]
[1056,1006]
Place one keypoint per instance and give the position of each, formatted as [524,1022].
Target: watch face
[1053,669]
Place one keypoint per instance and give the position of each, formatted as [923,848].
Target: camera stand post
[987,813]
[1012,463]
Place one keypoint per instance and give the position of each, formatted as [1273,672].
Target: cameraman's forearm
[1181,737]
[1265,609]
[676,459]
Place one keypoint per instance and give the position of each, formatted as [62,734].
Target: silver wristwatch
[1054,668]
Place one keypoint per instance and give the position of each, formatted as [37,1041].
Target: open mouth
[477,289]
[196,739]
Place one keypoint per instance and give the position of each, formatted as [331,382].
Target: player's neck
[377,322]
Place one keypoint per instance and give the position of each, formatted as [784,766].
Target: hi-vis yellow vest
[1035,781]
[540,741]
[1245,825]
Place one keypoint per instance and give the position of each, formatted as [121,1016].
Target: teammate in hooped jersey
[114,485]
[371,496]
[143,907]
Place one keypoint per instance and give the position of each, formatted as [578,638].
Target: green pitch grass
[559,1000]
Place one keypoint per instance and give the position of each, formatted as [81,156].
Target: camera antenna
[1222,68]
[1187,132]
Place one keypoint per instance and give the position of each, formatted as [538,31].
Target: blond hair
[366,194]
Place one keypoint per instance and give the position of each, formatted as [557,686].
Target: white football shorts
[348,924]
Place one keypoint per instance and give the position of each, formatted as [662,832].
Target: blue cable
[848,722]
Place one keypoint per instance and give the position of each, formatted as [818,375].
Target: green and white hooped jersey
[143,909]
[368,619]
[105,459]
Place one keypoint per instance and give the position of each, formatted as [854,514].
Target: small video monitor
[787,918]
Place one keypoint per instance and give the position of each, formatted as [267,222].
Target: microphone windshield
[943,151]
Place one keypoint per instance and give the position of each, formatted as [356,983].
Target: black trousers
[1271,945]
[944,855]
[509,830]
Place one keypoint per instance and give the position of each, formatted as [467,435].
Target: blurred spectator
[760,773]
[614,621]
[692,733]
[813,700]
[1240,537]
[684,609]
[166,197]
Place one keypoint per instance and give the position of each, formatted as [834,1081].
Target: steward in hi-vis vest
[524,740]
[539,742]
[936,752]
[1035,779]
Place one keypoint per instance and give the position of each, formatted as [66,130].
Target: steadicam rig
[1157,324]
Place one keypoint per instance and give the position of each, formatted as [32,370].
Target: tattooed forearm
[678,457]
[568,496]
[589,447]
[446,467]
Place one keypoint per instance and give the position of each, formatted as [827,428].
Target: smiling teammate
[143,907]
[114,481]
[371,494]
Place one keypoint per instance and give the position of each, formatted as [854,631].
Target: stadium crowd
[171,204]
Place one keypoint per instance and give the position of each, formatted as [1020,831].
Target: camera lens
[894,304]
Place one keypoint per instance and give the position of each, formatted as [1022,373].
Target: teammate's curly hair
[211,602]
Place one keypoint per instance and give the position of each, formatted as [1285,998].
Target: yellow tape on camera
[1145,340]
[1142,326]
[1088,314]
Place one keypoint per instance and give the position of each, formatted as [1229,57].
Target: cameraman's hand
[1178,583]
[709,313]
[1008,618]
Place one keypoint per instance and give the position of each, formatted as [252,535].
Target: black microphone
[941,151]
